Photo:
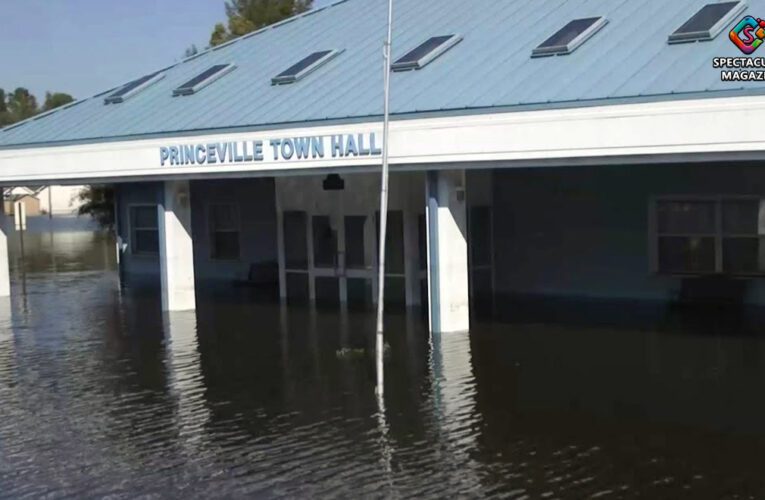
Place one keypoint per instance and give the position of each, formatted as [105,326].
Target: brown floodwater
[101,395]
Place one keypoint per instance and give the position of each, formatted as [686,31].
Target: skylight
[132,88]
[570,37]
[305,66]
[426,52]
[707,23]
[203,79]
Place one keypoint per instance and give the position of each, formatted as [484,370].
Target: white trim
[692,130]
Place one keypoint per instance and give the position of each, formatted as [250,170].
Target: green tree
[219,35]
[21,105]
[56,99]
[245,16]
[98,203]
[5,116]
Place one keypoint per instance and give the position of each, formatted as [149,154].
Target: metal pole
[50,202]
[383,203]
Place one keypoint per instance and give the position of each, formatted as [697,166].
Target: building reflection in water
[103,395]
[454,402]
[184,379]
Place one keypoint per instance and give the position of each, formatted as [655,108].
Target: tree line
[21,104]
[244,16]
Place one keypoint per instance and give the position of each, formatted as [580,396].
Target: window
[144,232]
[568,38]
[204,79]
[710,236]
[708,22]
[224,231]
[133,88]
[426,52]
[305,66]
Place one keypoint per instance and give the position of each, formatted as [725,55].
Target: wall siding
[583,232]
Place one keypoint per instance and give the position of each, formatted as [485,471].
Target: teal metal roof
[490,69]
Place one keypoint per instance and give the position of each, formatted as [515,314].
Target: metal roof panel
[491,67]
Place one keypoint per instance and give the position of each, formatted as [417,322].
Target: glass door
[358,269]
[332,258]
[326,260]
[296,256]
[481,261]
[395,272]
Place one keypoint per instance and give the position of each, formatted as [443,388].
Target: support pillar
[176,248]
[5,275]
[449,309]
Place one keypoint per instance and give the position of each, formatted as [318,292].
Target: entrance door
[329,258]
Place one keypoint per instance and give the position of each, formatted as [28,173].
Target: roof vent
[707,23]
[307,65]
[134,87]
[204,79]
[425,53]
[570,37]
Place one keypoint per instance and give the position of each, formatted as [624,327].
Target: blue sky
[83,47]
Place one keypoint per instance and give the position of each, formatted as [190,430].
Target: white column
[449,309]
[5,275]
[176,248]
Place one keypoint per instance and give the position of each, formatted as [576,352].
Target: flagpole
[383,203]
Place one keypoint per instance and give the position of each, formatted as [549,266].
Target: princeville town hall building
[548,150]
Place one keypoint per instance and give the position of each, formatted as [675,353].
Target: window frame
[113,98]
[401,64]
[679,37]
[184,89]
[541,50]
[211,230]
[719,234]
[286,78]
[132,228]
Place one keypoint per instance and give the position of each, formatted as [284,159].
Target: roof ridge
[263,29]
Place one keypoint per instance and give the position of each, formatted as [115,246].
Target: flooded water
[103,396]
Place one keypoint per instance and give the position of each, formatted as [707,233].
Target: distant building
[40,200]
[60,200]
[26,195]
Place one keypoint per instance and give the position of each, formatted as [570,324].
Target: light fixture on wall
[333,182]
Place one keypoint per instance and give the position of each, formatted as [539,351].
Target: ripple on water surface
[100,395]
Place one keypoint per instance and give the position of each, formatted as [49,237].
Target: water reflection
[185,382]
[103,395]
